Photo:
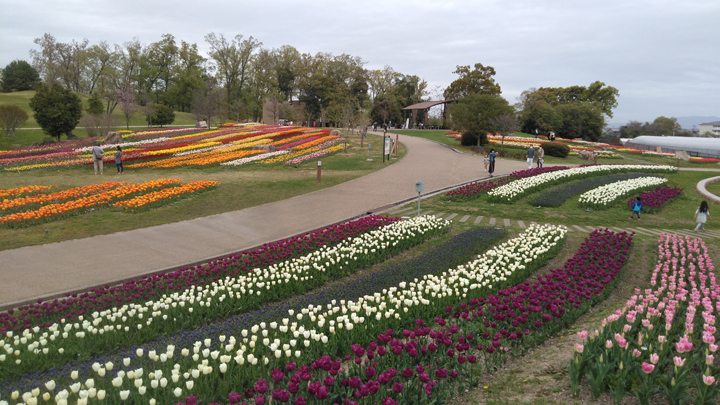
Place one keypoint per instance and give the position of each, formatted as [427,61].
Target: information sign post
[419,187]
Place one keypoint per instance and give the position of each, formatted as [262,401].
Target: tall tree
[479,80]
[189,75]
[474,115]
[631,130]
[18,75]
[56,109]
[64,63]
[232,60]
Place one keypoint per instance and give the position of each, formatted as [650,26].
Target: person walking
[486,161]
[491,156]
[97,154]
[530,155]
[118,160]
[701,215]
[636,207]
[536,133]
[541,156]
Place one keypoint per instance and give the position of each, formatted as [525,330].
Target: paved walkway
[50,270]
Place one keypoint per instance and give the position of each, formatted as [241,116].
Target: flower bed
[228,363]
[136,323]
[325,149]
[663,341]
[15,192]
[162,197]
[44,314]
[654,200]
[174,148]
[519,188]
[53,212]
[474,190]
[452,252]
[557,196]
[58,196]
[604,196]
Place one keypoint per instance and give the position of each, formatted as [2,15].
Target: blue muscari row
[451,253]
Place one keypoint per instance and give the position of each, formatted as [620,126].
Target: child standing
[636,207]
[118,160]
[486,161]
[701,215]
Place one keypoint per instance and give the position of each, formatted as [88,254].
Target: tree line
[239,73]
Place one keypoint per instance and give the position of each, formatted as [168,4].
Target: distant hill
[685,122]
[688,122]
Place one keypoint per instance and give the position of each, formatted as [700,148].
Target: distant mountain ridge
[685,122]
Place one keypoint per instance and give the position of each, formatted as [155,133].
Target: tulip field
[173,148]
[376,310]
[32,205]
[242,329]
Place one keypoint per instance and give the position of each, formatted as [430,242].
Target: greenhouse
[702,147]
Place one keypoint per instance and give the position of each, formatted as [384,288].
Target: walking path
[53,269]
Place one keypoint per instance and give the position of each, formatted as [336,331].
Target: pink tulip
[648,368]
[709,359]
[582,334]
[579,348]
[679,361]
[708,379]
[654,358]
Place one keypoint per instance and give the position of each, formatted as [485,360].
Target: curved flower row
[664,340]
[314,155]
[475,189]
[234,362]
[242,161]
[165,196]
[519,188]
[135,323]
[604,196]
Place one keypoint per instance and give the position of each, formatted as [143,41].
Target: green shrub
[556,149]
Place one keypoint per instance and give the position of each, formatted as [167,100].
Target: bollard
[319,172]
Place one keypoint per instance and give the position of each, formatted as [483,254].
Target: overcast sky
[663,56]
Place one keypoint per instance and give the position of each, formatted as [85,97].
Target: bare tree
[11,117]
[205,104]
[126,100]
[504,124]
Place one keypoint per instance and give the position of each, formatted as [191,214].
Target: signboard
[681,154]
[387,145]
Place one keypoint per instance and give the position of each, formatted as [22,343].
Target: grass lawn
[677,215]
[239,188]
